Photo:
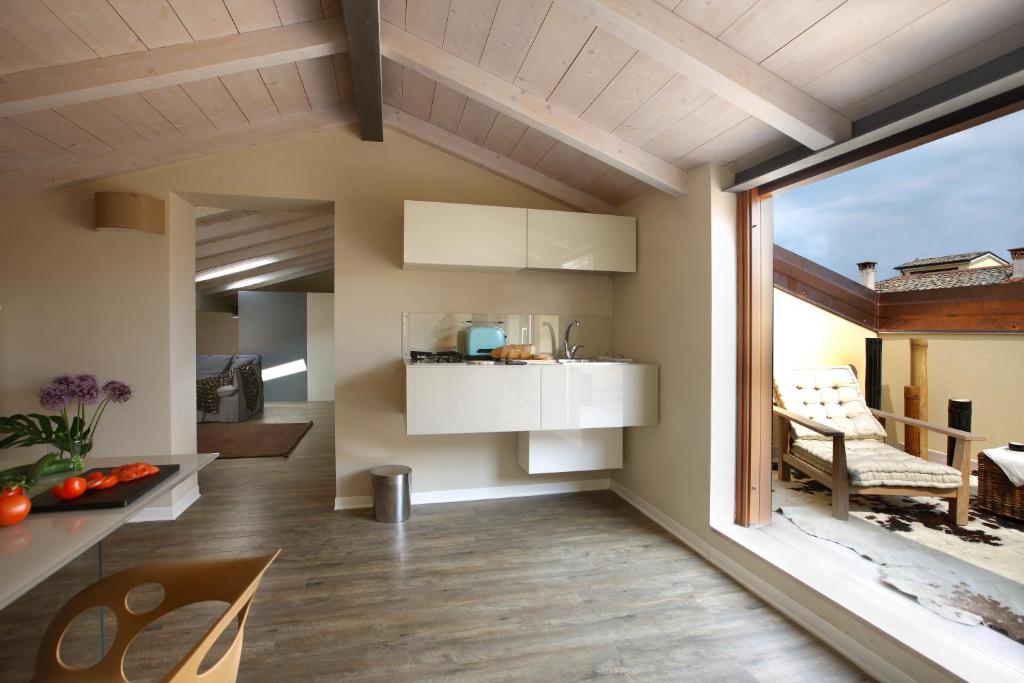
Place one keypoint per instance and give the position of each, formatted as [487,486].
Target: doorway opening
[264,278]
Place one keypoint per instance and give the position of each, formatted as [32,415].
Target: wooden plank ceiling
[555,95]
[239,249]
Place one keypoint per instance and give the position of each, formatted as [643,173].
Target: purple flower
[86,389]
[65,383]
[54,396]
[117,392]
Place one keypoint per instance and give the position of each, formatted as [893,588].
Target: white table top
[36,548]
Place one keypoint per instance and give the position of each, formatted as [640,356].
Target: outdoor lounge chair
[832,436]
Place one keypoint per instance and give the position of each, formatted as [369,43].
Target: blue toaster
[482,339]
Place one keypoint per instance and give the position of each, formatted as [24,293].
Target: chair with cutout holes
[187,582]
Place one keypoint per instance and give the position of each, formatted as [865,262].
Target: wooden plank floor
[551,588]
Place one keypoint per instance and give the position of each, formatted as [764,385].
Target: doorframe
[754,286]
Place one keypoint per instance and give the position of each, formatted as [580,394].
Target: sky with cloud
[963,192]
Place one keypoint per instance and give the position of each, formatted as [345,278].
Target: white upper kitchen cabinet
[566,240]
[443,236]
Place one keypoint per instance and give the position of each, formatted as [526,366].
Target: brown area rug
[251,439]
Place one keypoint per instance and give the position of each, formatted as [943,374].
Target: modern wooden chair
[832,436]
[187,582]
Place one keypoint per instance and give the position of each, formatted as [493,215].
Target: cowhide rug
[972,575]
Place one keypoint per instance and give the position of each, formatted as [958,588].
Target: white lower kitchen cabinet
[467,399]
[592,396]
[572,450]
[579,405]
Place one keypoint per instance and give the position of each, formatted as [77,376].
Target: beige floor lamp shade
[233,581]
[128,211]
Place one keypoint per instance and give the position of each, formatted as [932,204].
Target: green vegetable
[29,475]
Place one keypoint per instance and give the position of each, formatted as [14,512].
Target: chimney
[1017,256]
[867,274]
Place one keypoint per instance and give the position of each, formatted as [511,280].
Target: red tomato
[151,470]
[108,482]
[14,507]
[93,476]
[11,491]
[72,487]
[126,474]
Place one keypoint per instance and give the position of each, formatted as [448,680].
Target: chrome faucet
[570,350]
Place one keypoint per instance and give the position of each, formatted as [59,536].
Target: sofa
[232,405]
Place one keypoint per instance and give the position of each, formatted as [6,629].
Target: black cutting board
[122,495]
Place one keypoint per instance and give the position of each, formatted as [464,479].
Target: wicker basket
[996,493]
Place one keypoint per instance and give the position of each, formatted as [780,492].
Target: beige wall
[216,332]
[986,262]
[76,300]
[109,297]
[320,347]
[679,310]
[986,368]
[663,315]
[807,336]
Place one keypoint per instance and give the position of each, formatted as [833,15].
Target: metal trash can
[390,493]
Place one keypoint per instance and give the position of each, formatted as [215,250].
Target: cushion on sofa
[208,366]
[828,395]
[873,463]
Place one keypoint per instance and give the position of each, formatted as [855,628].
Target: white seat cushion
[873,463]
[830,396]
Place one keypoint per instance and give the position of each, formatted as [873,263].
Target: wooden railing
[985,308]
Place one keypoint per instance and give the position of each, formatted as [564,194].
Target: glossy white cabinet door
[595,396]
[567,240]
[572,450]
[444,236]
[470,399]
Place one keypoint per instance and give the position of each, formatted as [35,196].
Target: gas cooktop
[436,357]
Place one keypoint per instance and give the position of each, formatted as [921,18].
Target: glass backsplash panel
[441,331]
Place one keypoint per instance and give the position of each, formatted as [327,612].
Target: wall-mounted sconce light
[128,211]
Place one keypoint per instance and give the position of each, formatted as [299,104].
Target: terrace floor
[971,574]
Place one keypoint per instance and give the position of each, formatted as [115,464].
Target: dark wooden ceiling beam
[362,23]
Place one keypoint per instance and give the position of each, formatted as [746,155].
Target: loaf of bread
[513,352]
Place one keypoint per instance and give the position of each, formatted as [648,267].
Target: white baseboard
[873,664]
[352,502]
[168,513]
[696,543]
[486,493]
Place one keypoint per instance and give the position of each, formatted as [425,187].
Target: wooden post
[919,379]
[911,408]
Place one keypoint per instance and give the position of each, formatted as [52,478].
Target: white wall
[320,347]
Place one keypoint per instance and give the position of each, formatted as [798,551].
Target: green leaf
[44,424]
[76,428]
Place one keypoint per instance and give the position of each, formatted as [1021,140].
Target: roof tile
[943,260]
[971,277]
